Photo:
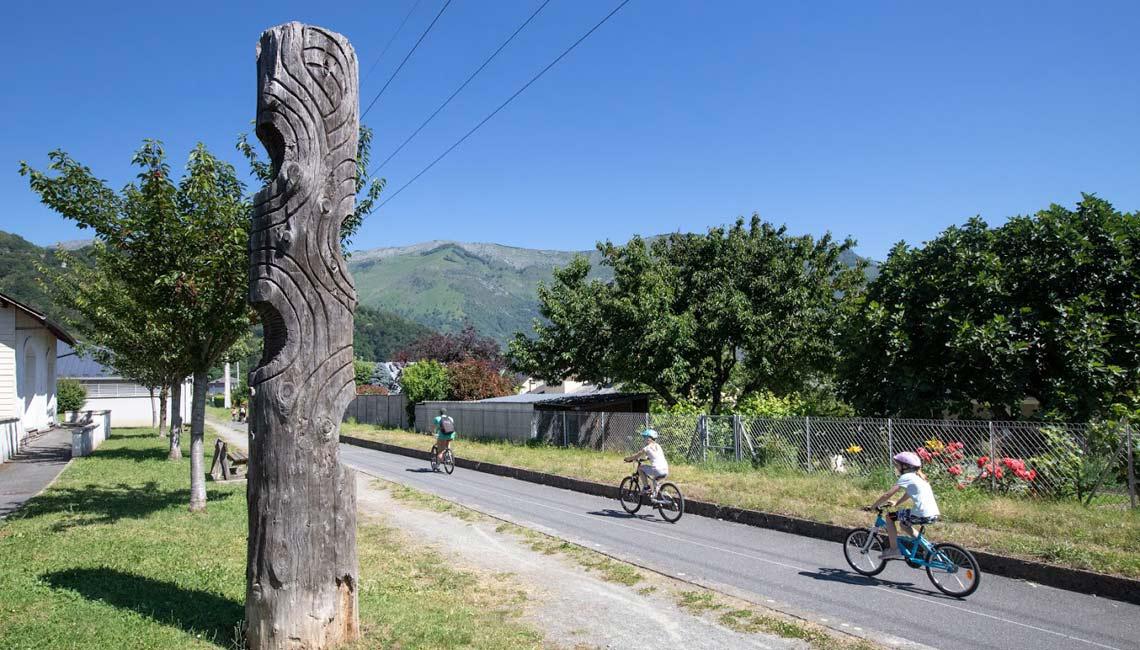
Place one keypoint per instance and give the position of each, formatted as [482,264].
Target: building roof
[55,329]
[72,364]
[597,395]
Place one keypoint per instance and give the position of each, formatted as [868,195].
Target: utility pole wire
[409,55]
[504,104]
[393,39]
[460,88]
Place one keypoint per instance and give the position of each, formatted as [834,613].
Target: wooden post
[301,578]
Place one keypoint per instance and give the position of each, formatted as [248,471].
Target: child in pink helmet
[925,510]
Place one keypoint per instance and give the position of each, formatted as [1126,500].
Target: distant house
[28,344]
[568,386]
[130,404]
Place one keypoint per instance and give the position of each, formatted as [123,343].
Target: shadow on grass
[197,612]
[137,455]
[103,504]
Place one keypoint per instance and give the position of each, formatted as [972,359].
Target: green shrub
[218,400]
[424,381]
[70,395]
[1070,469]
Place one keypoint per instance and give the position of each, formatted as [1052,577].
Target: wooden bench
[227,465]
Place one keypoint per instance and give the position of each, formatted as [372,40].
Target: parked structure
[130,404]
[28,343]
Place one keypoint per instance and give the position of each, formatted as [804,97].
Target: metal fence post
[807,430]
[736,437]
[890,440]
[703,434]
[565,431]
[1131,470]
[993,460]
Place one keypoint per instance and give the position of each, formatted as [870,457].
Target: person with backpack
[444,432]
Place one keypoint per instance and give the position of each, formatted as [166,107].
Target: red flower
[1030,475]
[954,469]
[924,455]
[982,460]
[999,473]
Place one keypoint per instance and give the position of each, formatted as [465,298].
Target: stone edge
[1086,582]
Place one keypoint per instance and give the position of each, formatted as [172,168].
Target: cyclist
[658,467]
[916,488]
[444,433]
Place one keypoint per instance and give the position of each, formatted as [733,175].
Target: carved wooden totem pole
[301,577]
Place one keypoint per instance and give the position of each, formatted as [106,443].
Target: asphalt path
[783,570]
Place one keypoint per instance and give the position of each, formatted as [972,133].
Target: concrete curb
[1086,582]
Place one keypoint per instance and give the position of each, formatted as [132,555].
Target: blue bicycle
[951,568]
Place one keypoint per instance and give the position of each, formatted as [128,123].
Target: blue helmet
[649,433]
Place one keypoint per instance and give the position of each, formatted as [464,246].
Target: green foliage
[362,371]
[424,381]
[475,379]
[687,313]
[70,395]
[378,335]
[1044,306]
[21,278]
[766,404]
[1072,469]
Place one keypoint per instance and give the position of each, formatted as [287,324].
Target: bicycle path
[33,469]
[783,570]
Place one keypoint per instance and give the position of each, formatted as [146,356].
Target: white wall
[129,403]
[11,434]
[35,372]
[8,364]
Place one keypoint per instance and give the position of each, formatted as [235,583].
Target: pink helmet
[908,458]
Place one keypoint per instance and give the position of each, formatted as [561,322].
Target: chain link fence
[1027,458]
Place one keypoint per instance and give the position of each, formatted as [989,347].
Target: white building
[28,353]
[130,404]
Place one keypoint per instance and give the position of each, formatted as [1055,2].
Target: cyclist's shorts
[652,473]
[445,436]
[905,516]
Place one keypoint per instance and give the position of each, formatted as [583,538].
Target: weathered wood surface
[301,589]
[227,465]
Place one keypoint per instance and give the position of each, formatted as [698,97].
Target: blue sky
[883,121]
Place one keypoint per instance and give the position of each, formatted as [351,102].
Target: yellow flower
[934,444]
[854,449]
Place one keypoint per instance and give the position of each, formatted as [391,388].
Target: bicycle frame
[910,551]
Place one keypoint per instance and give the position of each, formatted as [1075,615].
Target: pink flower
[982,460]
[954,469]
[924,455]
[1030,475]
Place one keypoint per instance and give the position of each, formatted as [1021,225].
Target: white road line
[643,530]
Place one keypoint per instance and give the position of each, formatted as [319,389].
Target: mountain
[20,279]
[445,284]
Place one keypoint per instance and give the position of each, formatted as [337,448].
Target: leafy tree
[424,381]
[687,314]
[70,395]
[474,379]
[378,335]
[451,348]
[1045,306]
[363,371]
[177,252]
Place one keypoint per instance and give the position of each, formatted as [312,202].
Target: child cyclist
[916,488]
[444,433]
[658,467]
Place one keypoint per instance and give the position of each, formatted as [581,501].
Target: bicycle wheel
[670,502]
[953,570]
[630,495]
[434,458]
[865,563]
[448,461]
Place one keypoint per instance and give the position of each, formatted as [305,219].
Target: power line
[504,104]
[393,39]
[409,55]
[461,87]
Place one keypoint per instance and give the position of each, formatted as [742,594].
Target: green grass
[1103,537]
[219,412]
[110,557]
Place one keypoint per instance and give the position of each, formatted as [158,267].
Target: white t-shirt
[919,492]
[656,457]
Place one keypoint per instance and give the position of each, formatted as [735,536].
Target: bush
[369,389]
[474,379]
[218,400]
[424,381]
[362,371]
[70,395]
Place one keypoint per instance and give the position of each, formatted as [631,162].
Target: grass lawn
[1104,537]
[219,412]
[110,557]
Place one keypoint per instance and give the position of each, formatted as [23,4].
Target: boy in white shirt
[658,467]
[917,489]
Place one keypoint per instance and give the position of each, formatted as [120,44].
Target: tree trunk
[153,411]
[175,452]
[163,395]
[197,432]
[301,577]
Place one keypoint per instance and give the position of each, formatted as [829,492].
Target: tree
[449,348]
[1044,306]
[175,255]
[70,395]
[424,381]
[687,314]
[474,379]
[363,371]
[378,335]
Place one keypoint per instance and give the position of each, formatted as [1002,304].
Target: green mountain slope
[20,279]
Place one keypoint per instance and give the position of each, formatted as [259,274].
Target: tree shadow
[106,504]
[192,610]
[137,455]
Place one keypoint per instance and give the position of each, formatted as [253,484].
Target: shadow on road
[197,612]
[420,470]
[829,574]
[621,514]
